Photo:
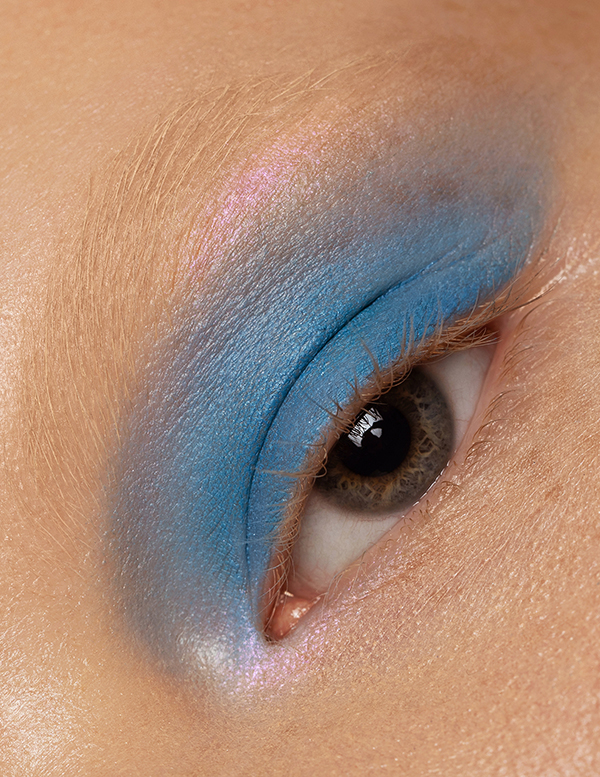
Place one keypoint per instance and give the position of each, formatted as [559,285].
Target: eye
[381,465]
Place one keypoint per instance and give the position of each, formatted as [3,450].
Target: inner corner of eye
[379,468]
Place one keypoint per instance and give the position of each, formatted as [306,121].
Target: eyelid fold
[424,305]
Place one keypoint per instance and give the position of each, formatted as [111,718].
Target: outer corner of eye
[395,449]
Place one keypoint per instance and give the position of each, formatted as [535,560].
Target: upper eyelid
[467,332]
[268,492]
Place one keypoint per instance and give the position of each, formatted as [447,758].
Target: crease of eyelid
[409,352]
[139,206]
[406,342]
[460,336]
[463,335]
[470,331]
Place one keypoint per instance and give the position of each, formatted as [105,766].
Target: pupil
[378,442]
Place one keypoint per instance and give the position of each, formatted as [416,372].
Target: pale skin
[480,656]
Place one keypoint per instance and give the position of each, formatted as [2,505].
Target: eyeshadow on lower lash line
[247,380]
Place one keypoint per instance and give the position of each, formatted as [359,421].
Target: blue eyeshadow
[244,382]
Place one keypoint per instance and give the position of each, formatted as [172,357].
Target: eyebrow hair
[114,284]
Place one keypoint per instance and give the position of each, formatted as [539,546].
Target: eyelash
[477,329]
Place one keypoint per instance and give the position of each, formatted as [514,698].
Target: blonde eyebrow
[113,287]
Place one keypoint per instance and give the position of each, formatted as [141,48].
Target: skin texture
[466,643]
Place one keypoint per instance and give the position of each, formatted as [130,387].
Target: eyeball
[390,456]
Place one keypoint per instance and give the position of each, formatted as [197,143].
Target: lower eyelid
[331,539]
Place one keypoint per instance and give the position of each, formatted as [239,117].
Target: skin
[467,642]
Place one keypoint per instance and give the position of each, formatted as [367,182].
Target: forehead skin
[478,657]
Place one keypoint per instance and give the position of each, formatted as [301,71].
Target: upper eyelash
[469,331]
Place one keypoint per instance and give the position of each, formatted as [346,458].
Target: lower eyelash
[478,329]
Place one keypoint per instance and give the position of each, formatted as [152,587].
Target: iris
[394,451]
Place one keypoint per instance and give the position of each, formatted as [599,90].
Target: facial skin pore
[173,174]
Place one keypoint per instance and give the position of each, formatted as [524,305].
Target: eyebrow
[115,283]
[314,213]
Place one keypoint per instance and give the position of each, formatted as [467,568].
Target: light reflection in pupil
[378,442]
[395,450]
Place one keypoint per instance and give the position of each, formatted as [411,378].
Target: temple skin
[466,644]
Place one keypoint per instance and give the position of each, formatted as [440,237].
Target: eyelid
[491,325]
[282,612]
[287,464]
